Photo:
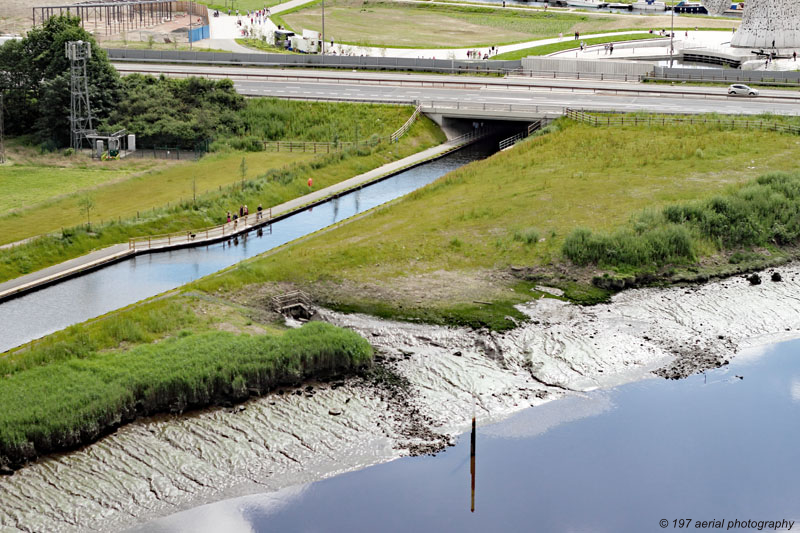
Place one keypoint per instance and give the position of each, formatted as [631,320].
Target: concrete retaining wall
[724,74]
[586,66]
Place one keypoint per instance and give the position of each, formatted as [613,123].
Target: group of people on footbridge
[243,213]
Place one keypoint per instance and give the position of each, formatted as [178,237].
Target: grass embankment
[444,26]
[160,45]
[552,48]
[68,391]
[515,209]
[271,178]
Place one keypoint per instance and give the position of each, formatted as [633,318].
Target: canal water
[73,301]
[717,446]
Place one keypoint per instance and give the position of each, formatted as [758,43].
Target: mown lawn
[513,209]
[24,186]
[551,48]
[437,26]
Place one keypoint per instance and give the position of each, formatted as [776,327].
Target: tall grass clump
[72,402]
[762,212]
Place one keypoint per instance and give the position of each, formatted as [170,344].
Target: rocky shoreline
[424,389]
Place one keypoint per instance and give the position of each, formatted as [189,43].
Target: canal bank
[120,252]
[86,295]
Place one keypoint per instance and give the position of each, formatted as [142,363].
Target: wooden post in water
[472,462]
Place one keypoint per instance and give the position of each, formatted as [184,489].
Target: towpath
[117,252]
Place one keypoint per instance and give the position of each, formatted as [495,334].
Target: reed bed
[74,401]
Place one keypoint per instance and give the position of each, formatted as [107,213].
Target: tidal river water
[93,294]
[718,446]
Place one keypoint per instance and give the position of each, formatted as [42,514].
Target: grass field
[437,26]
[241,5]
[29,177]
[546,49]
[513,209]
[275,182]
[125,197]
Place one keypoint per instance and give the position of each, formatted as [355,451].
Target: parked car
[742,90]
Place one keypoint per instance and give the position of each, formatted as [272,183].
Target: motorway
[443,89]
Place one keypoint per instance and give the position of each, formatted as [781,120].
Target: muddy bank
[433,378]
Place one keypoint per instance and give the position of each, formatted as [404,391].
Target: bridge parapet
[490,111]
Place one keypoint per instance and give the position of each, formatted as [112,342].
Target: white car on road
[742,90]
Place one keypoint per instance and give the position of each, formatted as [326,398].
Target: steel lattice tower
[80,113]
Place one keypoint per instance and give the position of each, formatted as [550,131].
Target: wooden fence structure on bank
[197,236]
[622,119]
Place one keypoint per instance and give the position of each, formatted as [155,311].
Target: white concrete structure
[768,24]
[717,7]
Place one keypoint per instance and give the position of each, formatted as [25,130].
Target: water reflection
[724,449]
[121,284]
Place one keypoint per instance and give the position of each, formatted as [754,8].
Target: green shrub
[759,213]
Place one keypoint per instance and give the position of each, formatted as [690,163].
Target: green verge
[506,218]
[267,186]
[546,49]
[242,5]
[71,402]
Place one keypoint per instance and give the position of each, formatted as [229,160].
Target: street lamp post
[323,30]
[191,9]
[672,34]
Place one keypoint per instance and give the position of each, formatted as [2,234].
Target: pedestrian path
[118,252]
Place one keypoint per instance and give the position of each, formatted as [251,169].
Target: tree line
[35,83]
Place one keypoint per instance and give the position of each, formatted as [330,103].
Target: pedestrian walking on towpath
[229,216]
[235,220]
[258,214]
